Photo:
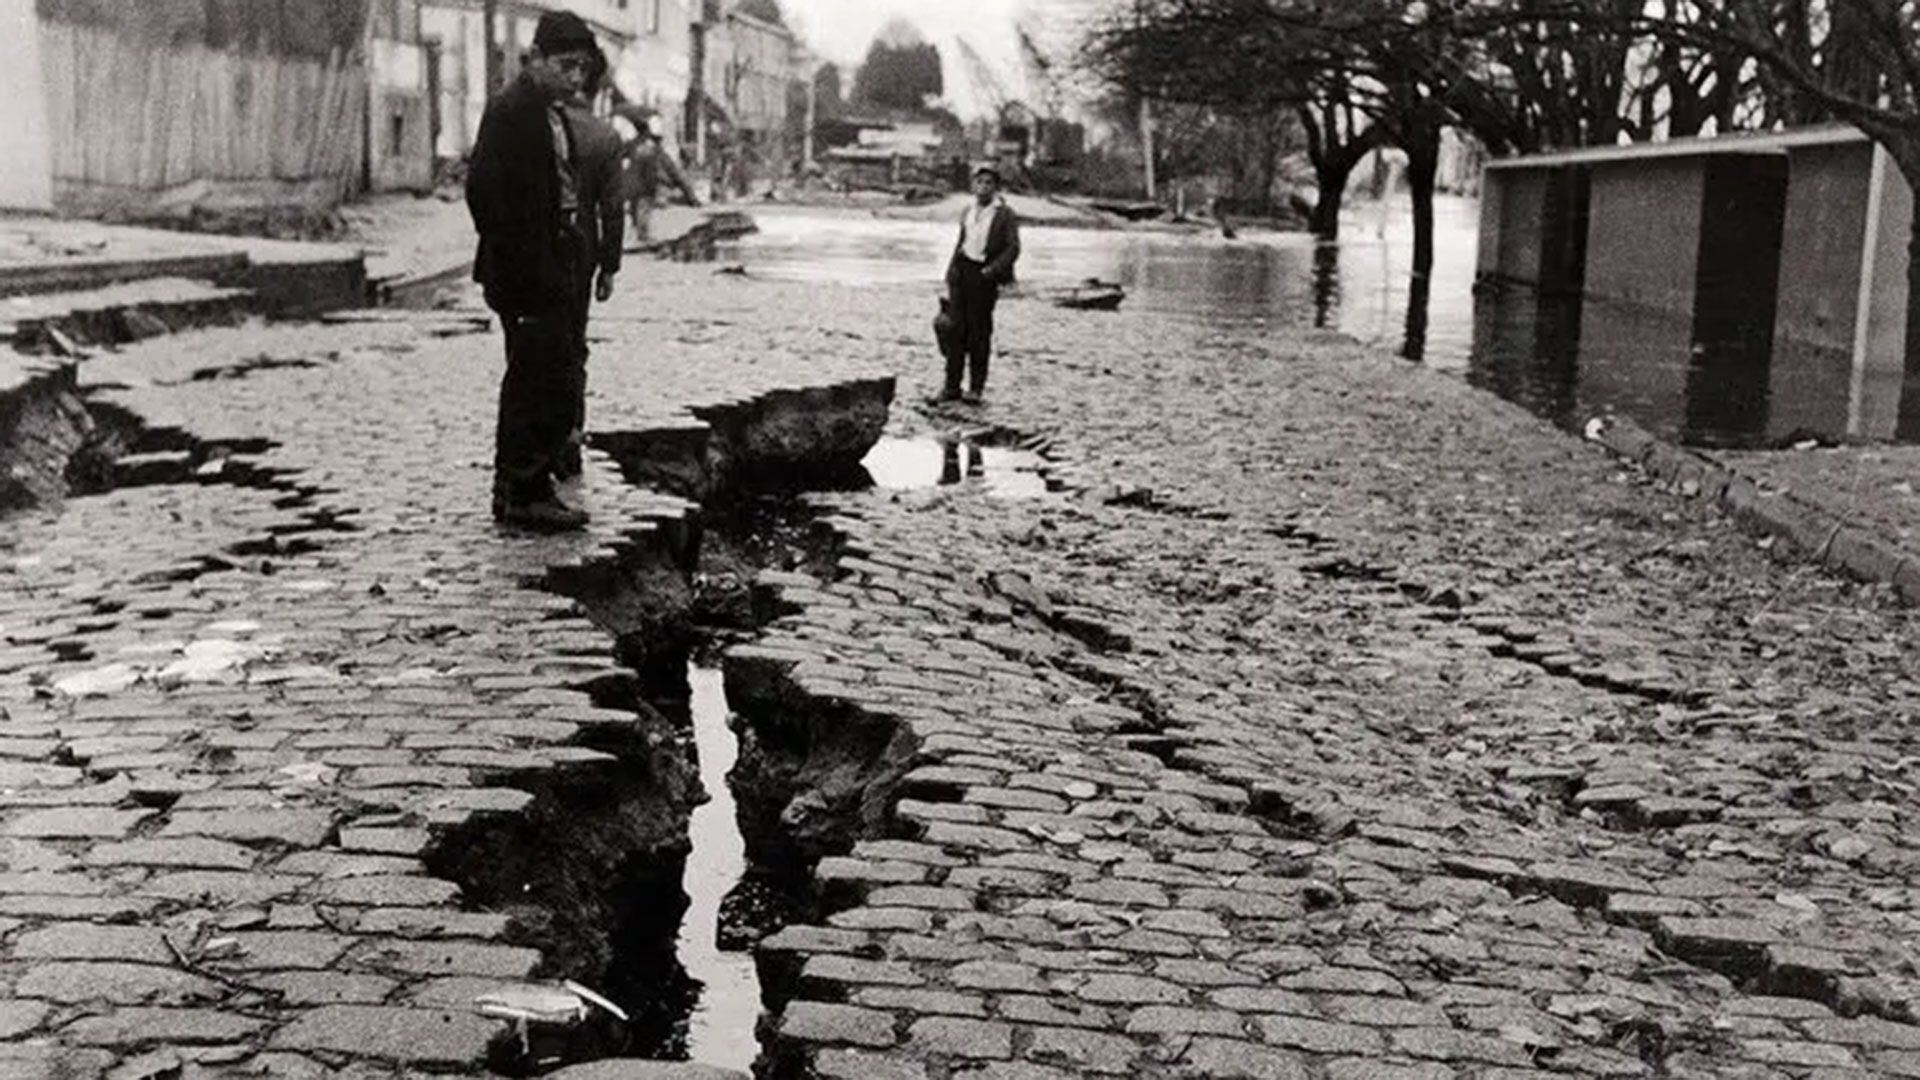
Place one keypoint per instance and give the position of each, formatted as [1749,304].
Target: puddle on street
[721,1029]
[906,464]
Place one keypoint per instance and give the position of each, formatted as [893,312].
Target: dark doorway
[1736,292]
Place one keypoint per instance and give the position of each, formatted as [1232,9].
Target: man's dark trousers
[972,298]
[540,395]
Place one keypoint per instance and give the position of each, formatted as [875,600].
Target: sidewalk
[1853,509]
[45,254]
[1328,719]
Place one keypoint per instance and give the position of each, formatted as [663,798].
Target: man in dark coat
[597,148]
[533,263]
[982,262]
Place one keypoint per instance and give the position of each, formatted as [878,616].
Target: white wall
[26,160]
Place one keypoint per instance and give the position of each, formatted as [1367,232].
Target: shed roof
[1766,142]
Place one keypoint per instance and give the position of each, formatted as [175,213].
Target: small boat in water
[1090,295]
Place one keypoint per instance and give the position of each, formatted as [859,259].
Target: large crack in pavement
[421,768]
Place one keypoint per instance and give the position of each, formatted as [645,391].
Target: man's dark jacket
[597,163]
[1003,248]
[527,259]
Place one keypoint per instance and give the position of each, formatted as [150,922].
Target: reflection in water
[1326,284]
[906,464]
[1526,348]
[1413,343]
[1568,359]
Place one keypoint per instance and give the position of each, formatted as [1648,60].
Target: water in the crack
[903,464]
[720,1031]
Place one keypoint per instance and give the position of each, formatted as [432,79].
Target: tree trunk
[1331,179]
[1423,164]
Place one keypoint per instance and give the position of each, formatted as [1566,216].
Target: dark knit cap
[561,32]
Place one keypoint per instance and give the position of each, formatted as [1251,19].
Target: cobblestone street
[1325,718]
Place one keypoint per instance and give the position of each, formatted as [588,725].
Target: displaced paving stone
[956,1037]
[19,1018]
[91,941]
[78,823]
[833,1064]
[294,828]
[199,853]
[1319,1036]
[1175,1020]
[115,983]
[1129,990]
[445,958]
[1226,1059]
[326,987]
[134,1026]
[422,1037]
[645,1070]
[819,1022]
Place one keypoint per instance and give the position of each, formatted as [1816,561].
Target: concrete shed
[1775,262]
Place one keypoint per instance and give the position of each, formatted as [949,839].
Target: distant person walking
[533,262]
[982,262]
[648,164]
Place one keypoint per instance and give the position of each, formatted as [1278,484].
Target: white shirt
[975,226]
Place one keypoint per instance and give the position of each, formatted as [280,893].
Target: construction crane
[1040,71]
[980,73]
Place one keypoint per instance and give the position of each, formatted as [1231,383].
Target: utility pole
[490,14]
[1146,115]
[697,82]
[813,109]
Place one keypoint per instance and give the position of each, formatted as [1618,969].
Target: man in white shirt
[982,262]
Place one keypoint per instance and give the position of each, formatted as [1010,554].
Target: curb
[1816,532]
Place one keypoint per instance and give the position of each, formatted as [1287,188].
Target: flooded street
[1564,360]
[1263,280]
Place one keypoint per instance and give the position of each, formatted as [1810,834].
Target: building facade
[738,118]
[401,105]
[646,42]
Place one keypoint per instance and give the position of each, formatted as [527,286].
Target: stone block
[144,1026]
[833,1064]
[1181,1020]
[1319,1036]
[1126,989]
[440,1038]
[191,852]
[958,1037]
[1738,945]
[822,1022]
[115,983]
[1233,1059]
[76,823]
[294,828]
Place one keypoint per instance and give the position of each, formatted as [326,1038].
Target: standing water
[904,464]
[720,1031]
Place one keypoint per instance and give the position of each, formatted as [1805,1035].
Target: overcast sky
[841,30]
